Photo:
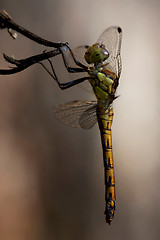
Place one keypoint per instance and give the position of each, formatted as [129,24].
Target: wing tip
[119,29]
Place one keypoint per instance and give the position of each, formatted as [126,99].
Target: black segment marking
[108,143]
[110,179]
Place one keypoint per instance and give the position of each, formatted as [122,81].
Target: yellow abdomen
[105,123]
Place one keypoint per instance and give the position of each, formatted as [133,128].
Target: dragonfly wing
[79,55]
[112,38]
[78,114]
[89,117]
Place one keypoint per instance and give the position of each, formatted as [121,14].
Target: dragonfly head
[97,53]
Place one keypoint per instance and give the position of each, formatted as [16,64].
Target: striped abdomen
[105,123]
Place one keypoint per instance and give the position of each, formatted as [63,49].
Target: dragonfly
[102,70]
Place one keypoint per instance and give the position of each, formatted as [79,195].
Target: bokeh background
[51,176]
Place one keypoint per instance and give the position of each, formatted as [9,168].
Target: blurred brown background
[51,176]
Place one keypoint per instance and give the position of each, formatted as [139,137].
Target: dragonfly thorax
[103,82]
[95,54]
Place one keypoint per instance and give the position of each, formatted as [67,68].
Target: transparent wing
[79,114]
[79,55]
[112,38]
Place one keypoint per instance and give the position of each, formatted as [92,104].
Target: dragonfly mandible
[103,73]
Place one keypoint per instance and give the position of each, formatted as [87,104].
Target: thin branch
[7,22]
[27,62]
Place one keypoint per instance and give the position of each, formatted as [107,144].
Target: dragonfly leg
[52,75]
[63,85]
[82,68]
[71,83]
[75,60]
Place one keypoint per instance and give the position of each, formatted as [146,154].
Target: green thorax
[104,82]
